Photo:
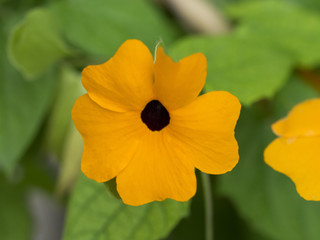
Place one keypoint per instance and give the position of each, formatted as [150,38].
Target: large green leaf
[13,213]
[94,213]
[285,26]
[22,108]
[101,26]
[246,69]
[267,199]
[35,44]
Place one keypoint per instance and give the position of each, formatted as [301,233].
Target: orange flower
[296,152]
[143,124]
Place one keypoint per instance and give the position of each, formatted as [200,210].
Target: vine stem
[208,205]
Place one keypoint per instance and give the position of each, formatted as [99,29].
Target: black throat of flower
[155,116]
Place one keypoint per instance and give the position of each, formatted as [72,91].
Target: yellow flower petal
[125,81]
[158,170]
[141,123]
[179,83]
[110,138]
[303,120]
[204,129]
[298,158]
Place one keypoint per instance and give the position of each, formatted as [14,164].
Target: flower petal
[125,82]
[110,138]
[204,129]
[303,120]
[179,83]
[159,170]
[298,158]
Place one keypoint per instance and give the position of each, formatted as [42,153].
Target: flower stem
[208,202]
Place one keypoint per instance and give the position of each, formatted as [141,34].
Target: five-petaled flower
[296,152]
[143,123]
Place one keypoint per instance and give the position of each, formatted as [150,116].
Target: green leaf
[245,69]
[95,214]
[111,185]
[69,90]
[22,108]
[100,27]
[225,218]
[311,4]
[35,44]
[63,140]
[285,26]
[70,160]
[267,199]
[14,213]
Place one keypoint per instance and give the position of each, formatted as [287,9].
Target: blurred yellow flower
[143,123]
[296,152]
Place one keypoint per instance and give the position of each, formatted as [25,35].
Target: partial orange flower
[143,123]
[296,152]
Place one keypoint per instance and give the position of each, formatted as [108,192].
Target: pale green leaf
[100,27]
[70,160]
[95,214]
[245,69]
[69,90]
[35,44]
[63,140]
[265,198]
[285,26]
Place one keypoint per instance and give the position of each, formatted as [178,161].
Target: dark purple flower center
[155,116]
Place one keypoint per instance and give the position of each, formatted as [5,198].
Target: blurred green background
[266,52]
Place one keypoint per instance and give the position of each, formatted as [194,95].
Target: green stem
[208,202]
